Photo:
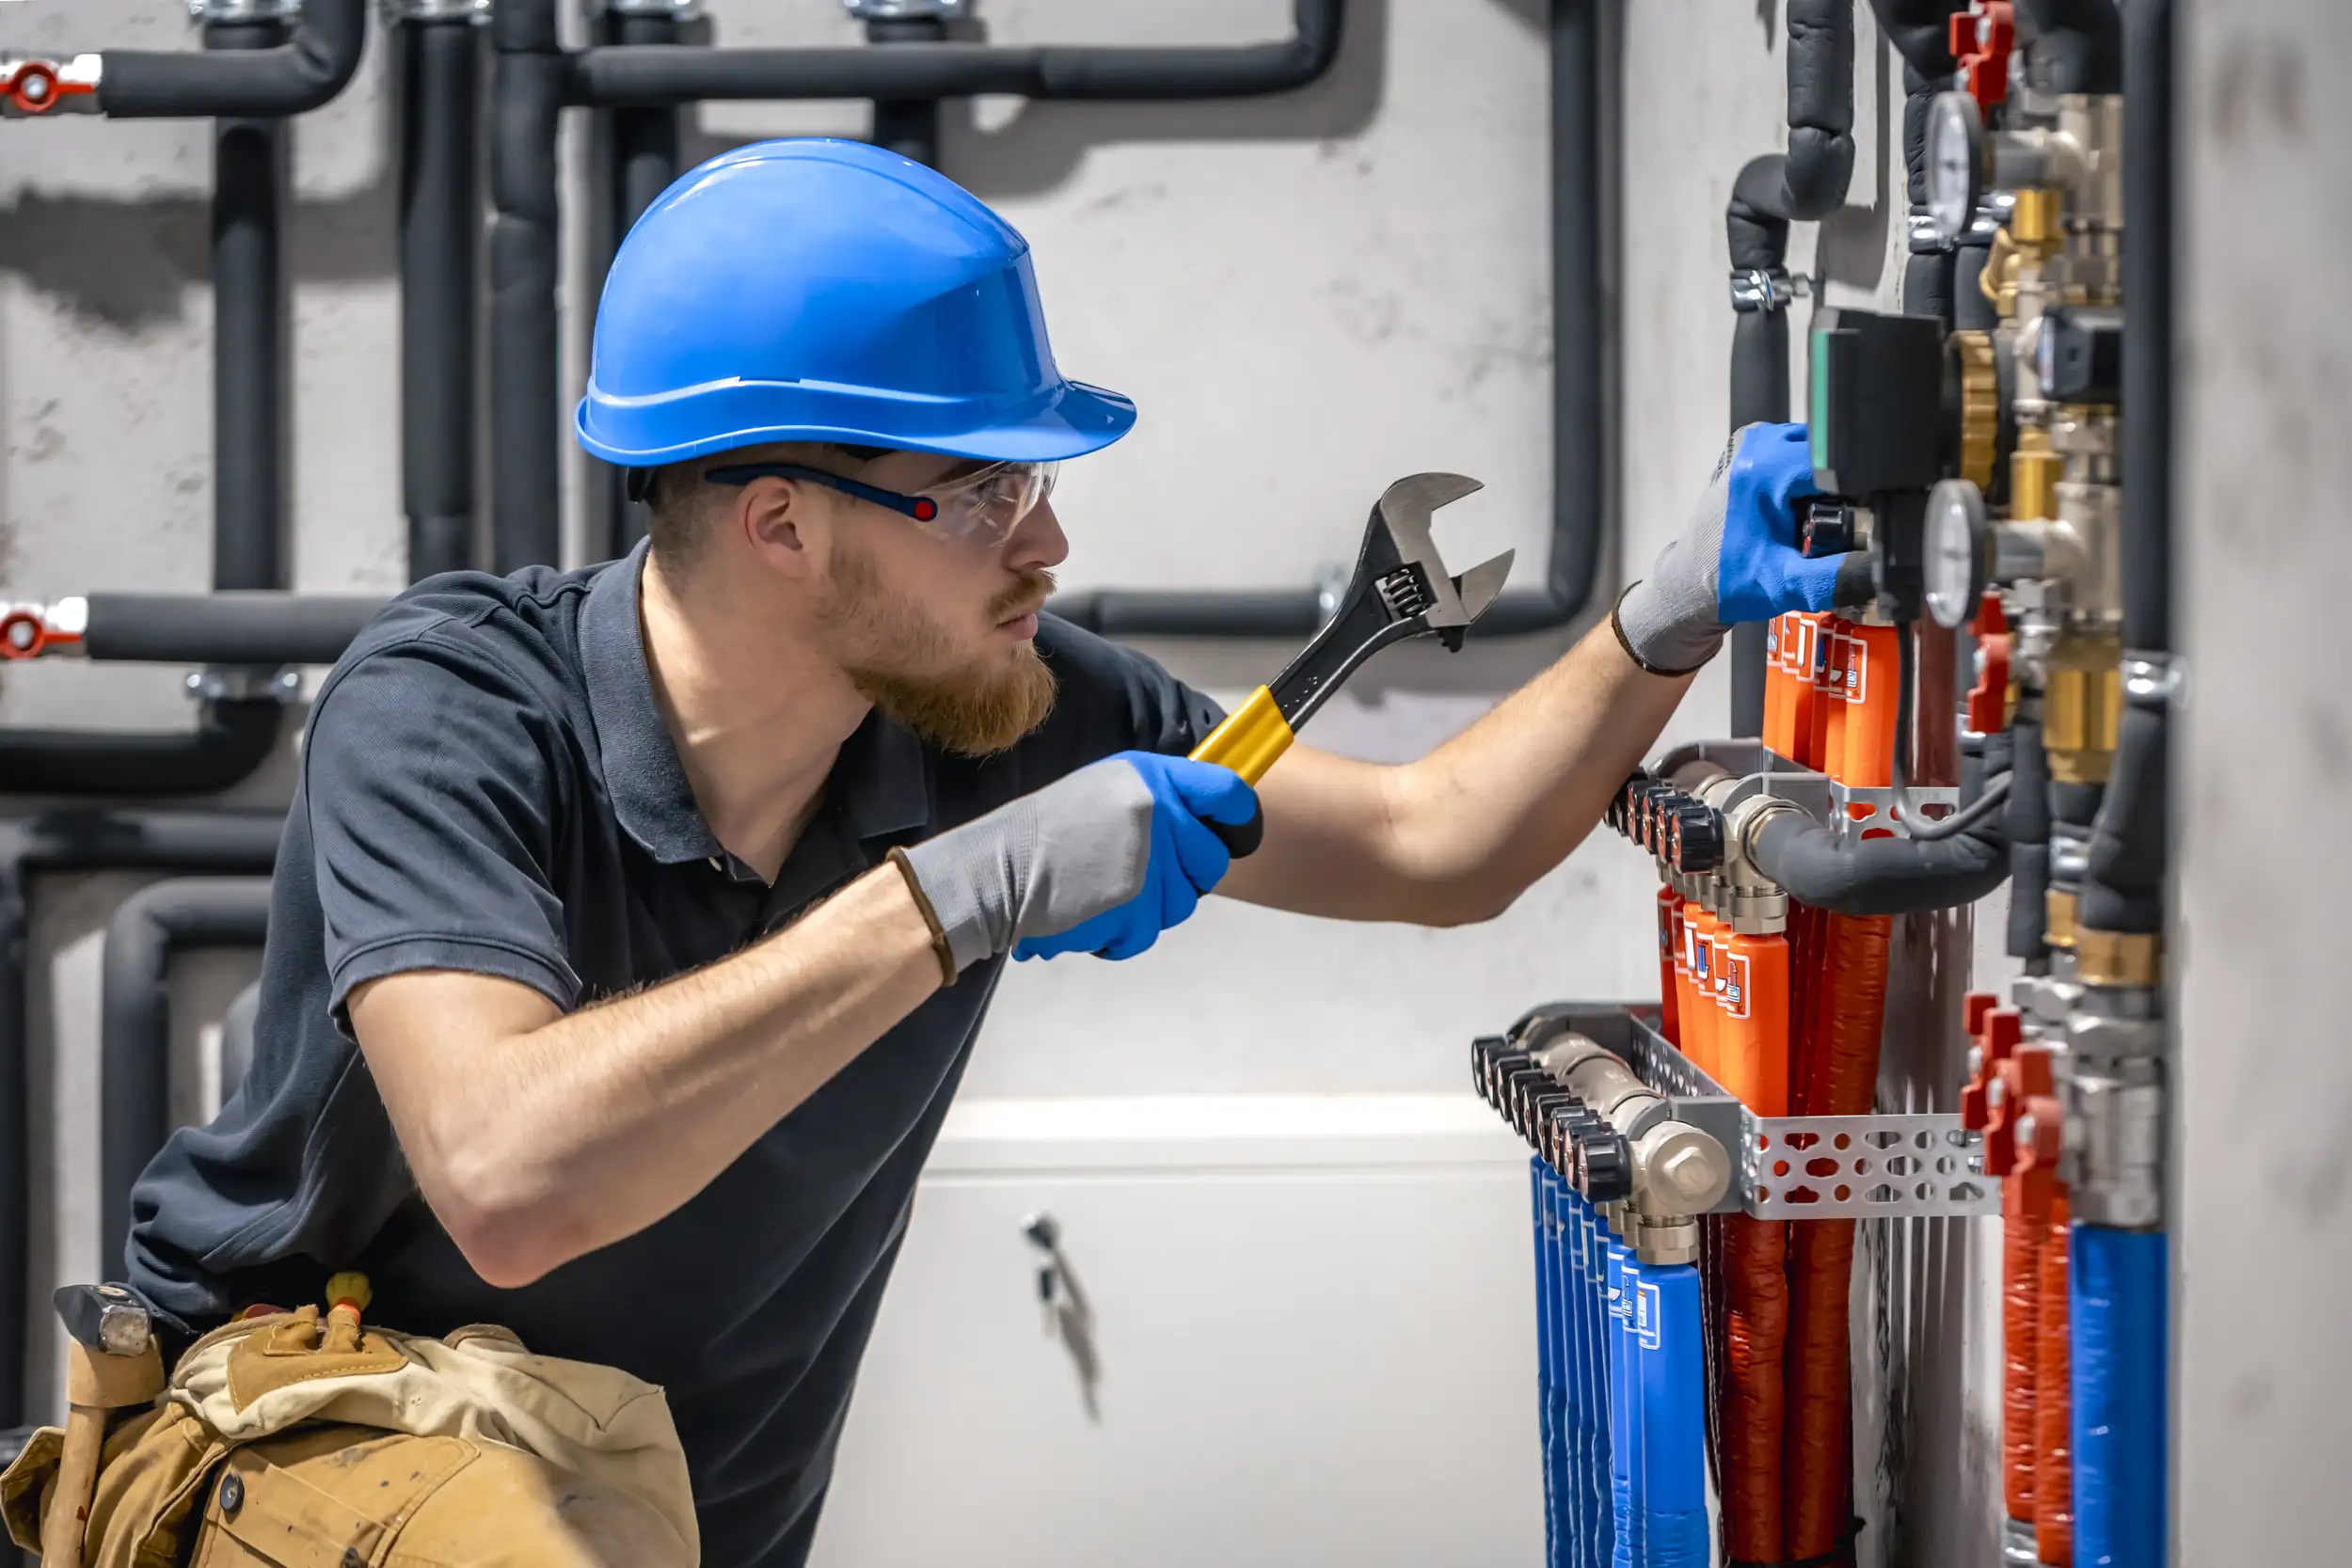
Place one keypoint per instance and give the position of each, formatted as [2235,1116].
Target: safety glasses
[986,505]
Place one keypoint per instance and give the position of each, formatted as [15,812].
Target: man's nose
[1038,542]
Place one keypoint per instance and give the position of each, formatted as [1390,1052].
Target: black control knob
[1697,839]
[1605,1167]
[1484,1050]
[1831,524]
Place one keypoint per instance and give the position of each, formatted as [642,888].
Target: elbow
[511,1231]
[1466,901]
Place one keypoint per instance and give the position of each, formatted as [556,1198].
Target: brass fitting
[2082,704]
[2034,471]
[2057,916]
[2118,957]
[2037,225]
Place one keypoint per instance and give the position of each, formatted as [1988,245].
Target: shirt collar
[881,783]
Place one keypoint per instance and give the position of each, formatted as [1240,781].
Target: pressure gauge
[1956,533]
[1955,162]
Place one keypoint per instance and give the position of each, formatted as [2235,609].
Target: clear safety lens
[993,502]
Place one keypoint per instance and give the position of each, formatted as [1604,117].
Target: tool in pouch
[1401,589]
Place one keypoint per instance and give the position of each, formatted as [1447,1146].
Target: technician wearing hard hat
[632,925]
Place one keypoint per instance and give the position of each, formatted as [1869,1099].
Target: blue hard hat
[816,290]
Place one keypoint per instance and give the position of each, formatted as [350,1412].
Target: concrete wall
[1307,297]
[2264,1227]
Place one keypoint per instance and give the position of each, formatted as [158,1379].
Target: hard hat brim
[1073,419]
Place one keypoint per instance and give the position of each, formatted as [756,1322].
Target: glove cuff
[939,945]
[1657,640]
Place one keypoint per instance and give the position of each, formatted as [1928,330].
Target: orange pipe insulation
[1872,692]
[2025,1221]
[1841,1080]
[1776,706]
[1755,1338]
[1829,724]
[1797,725]
[2054,1405]
[1753,1045]
[1669,970]
[1699,1011]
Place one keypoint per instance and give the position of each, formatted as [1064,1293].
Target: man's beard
[896,656]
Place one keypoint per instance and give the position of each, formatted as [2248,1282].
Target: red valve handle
[1982,39]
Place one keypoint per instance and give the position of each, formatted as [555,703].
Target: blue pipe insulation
[1670,1512]
[1568,1393]
[1546,1370]
[1600,1538]
[1625,1411]
[2119,1285]
[1588,1407]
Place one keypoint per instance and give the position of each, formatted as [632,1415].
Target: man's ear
[783,524]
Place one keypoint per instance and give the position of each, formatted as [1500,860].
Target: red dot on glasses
[926,509]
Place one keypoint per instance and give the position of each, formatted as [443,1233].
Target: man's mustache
[1029,594]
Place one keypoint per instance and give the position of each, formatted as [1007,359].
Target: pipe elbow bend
[1877,876]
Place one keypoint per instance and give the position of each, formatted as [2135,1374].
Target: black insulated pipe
[440,234]
[2078,45]
[232,737]
[1804,184]
[1921,32]
[1578,405]
[149,929]
[1891,875]
[644,162]
[1579,367]
[1928,270]
[2123,880]
[2148,171]
[229,628]
[226,842]
[289,76]
[622,78]
[248,336]
[526,433]
[907,126]
[2123,885]
[2027,825]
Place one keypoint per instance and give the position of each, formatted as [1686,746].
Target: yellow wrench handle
[1253,737]
[1249,741]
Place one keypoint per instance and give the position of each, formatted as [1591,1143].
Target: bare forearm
[570,1136]
[1509,798]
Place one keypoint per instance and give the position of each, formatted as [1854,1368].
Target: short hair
[678,504]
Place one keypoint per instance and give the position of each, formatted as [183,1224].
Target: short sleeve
[433,778]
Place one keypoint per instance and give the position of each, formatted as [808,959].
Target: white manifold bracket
[1916,1165]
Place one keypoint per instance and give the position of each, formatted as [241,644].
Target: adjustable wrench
[1401,589]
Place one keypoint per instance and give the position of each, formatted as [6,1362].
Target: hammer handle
[67,1519]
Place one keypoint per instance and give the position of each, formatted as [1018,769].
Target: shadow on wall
[127,263]
[1851,244]
[1041,147]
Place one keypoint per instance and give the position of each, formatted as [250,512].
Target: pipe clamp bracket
[1761,289]
[242,684]
[203,12]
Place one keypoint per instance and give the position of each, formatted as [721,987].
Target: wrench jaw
[1401,588]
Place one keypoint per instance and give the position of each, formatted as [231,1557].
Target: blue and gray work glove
[1100,862]
[1737,560]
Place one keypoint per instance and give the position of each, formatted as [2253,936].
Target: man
[632,925]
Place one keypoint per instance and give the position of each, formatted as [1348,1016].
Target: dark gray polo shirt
[488,785]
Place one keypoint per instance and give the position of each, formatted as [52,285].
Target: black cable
[1899,807]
